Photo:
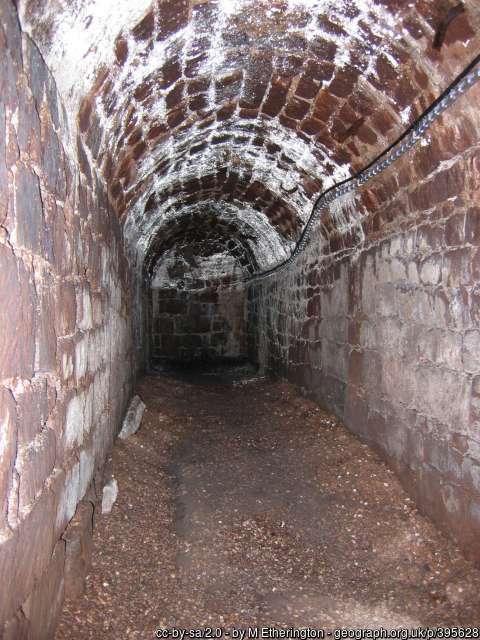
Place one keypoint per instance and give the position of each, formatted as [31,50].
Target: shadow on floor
[225,372]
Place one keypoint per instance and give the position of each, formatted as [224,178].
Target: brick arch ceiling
[216,234]
[253,106]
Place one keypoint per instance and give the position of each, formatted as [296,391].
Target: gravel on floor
[243,504]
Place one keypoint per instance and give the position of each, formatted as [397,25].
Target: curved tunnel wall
[65,343]
[380,322]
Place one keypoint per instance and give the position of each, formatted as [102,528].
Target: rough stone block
[17,337]
[35,463]
[35,69]
[84,309]
[68,489]
[110,494]
[65,359]
[455,230]
[78,549]
[46,339]
[74,421]
[457,268]
[28,210]
[43,606]
[471,351]
[33,409]
[65,308]
[33,554]
[451,406]
[431,270]
[28,127]
[133,418]
[81,357]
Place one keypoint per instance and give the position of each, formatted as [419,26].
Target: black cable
[468,76]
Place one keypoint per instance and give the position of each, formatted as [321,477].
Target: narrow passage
[241,503]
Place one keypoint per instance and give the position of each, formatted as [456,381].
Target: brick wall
[379,319]
[63,329]
[207,323]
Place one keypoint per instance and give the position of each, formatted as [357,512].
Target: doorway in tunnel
[195,291]
[194,315]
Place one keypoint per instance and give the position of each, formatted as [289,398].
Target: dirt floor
[242,504]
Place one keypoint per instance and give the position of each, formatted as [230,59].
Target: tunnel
[250,228]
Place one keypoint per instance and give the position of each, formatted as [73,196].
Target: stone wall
[379,319]
[64,328]
[208,323]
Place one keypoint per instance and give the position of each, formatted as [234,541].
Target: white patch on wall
[405,115]
[74,421]
[88,412]
[100,392]
[85,321]
[81,358]
[343,211]
[5,433]
[67,365]
[5,535]
[78,45]
[87,466]
[69,497]
[13,499]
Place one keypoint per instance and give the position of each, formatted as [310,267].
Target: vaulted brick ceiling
[240,112]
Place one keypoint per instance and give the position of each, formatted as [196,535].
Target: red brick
[156,130]
[307,88]
[297,109]
[343,82]
[198,102]
[312,127]
[175,96]
[176,117]
[276,98]
[173,16]
[121,50]
[325,105]
[143,30]
[226,111]
[84,113]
